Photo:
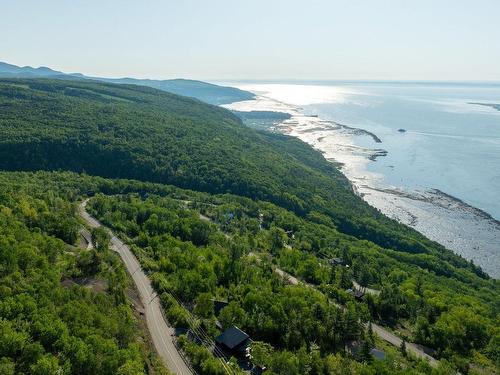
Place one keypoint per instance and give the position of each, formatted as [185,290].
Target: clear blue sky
[233,39]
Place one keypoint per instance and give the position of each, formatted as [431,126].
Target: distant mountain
[206,92]
[9,70]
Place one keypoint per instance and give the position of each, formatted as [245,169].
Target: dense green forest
[141,133]
[192,259]
[256,202]
[63,309]
[198,247]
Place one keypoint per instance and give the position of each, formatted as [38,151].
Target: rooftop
[232,337]
[378,354]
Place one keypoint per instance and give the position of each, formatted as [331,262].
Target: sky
[256,39]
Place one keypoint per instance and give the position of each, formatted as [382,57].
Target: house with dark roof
[234,342]
[354,347]
[356,293]
[337,262]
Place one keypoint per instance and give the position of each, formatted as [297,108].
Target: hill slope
[63,306]
[146,134]
[196,246]
[206,92]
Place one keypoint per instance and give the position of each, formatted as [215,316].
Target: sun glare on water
[299,94]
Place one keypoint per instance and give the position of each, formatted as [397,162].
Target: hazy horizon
[312,81]
[285,40]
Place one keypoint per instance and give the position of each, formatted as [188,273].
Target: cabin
[353,347]
[235,342]
[143,194]
[377,354]
[358,294]
[337,262]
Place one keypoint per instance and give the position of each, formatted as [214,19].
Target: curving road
[396,341]
[161,333]
[383,333]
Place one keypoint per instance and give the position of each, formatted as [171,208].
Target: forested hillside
[199,247]
[204,91]
[146,134]
[258,202]
[63,307]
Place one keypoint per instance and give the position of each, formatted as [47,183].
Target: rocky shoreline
[464,229]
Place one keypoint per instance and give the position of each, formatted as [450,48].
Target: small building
[337,262]
[352,347]
[234,341]
[377,354]
[358,294]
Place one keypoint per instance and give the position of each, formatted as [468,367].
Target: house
[377,354]
[353,347]
[358,294]
[143,194]
[234,342]
[337,262]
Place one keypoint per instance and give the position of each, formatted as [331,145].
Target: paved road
[161,333]
[291,279]
[365,289]
[396,341]
[383,333]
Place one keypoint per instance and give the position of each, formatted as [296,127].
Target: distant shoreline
[491,105]
[466,230]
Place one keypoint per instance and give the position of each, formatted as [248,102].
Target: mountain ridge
[204,91]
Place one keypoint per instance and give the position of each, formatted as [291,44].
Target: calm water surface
[432,136]
[449,144]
